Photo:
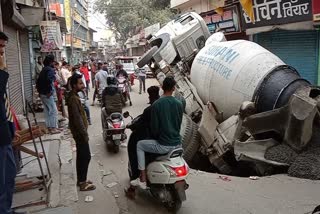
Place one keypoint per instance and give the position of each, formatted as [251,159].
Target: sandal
[54,131]
[87,187]
[130,192]
[88,181]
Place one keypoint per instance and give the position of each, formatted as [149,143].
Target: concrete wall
[198,6]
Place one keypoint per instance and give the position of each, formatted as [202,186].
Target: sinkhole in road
[305,164]
[238,169]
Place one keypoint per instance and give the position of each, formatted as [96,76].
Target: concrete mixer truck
[242,103]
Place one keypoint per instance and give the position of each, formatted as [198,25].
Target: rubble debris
[224,178]
[88,198]
[112,184]
[115,194]
[99,162]
[307,164]
[123,145]
[303,165]
[281,153]
[104,173]
[254,178]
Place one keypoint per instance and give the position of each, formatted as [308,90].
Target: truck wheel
[190,138]
[145,59]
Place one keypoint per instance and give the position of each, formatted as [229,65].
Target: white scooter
[166,176]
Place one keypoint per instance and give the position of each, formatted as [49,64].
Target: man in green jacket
[166,118]
[78,124]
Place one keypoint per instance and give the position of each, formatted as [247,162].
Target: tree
[128,17]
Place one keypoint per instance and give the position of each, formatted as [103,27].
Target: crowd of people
[57,82]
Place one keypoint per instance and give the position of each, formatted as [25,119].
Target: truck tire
[190,138]
[145,59]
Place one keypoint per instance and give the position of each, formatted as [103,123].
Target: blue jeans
[151,146]
[87,110]
[7,178]
[50,111]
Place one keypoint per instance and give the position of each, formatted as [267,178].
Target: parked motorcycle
[123,87]
[166,174]
[113,130]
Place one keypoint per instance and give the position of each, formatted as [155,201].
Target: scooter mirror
[126,114]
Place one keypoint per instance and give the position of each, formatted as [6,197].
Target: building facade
[77,39]
[287,28]
[16,22]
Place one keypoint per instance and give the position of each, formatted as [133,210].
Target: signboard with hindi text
[316,11]
[277,12]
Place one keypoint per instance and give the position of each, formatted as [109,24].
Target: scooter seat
[173,154]
[116,116]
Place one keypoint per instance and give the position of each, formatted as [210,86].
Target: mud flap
[180,187]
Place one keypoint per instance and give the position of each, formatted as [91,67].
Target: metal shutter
[296,48]
[26,69]
[12,58]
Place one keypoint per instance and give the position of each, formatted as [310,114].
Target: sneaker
[138,183]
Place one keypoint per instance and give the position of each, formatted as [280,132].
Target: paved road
[207,194]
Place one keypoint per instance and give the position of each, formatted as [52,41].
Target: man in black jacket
[46,90]
[7,160]
[141,131]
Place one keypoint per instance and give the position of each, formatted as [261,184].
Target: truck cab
[179,39]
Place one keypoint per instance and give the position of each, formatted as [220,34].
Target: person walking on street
[8,136]
[78,124]
[101,80]
[65,73]
[142,79]
[85,72]
[38,69]
[45,87]
[93,69]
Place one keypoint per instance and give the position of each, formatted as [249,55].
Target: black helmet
[111,80]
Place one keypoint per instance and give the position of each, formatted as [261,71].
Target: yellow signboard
[76,42]
[76,16]
[67,14]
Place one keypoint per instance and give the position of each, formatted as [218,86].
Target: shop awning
[32,15]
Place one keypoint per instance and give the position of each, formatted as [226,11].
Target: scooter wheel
[116,149]
[174,206]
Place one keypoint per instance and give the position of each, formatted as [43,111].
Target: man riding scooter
[121,71]
[166,119]
[112,99]
[113,126]
[140,131]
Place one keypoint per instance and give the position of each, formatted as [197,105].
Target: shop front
[285,28]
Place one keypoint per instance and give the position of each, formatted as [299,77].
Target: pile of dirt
[281,153]
[304,165]
[307,164]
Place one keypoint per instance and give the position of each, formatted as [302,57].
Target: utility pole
[72,34]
